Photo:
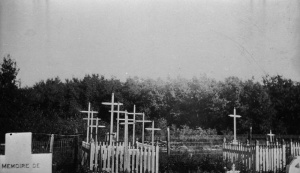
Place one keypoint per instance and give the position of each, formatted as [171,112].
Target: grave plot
[115,156]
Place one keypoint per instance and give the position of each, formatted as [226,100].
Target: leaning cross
[112,104]
[90,117]
[234,125]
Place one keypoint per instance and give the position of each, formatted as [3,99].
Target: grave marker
[134,113]
[153,129]
[271,136]
[18,157]
[118,121]
[143,121]
[112,104]
[90,116]
[234,125]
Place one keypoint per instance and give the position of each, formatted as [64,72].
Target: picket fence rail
[261,158]
[116,158]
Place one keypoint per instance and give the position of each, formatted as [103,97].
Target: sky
[151,38]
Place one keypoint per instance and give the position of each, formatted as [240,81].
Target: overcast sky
[151,38]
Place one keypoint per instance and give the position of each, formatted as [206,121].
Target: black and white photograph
[149,86]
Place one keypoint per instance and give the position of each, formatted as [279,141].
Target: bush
[197,163]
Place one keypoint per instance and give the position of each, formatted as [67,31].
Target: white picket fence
[295,148]
[260,158]
[116,158]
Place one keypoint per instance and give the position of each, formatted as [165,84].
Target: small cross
[271,136]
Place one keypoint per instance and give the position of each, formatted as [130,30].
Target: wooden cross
[90,115]
[112,104]
[143,131]
[134,113]
[118,121]
[126,131]
[271,136]
[94,126]
[153,129]
[234,125]
[128,123]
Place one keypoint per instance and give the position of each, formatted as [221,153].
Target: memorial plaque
[18,156]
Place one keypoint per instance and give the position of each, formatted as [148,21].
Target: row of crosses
[126,121]
[234,116]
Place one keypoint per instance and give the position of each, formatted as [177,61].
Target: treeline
[52,106]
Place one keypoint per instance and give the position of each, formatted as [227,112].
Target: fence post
[92,154]
[291,148]
[283,153]
[51,143]
[157,158]
[257,156]
[76,140]
[168,141]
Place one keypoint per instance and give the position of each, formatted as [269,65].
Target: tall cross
[143,131]
[134,113]
[153,129]
[90,115]
[271,136]
[112,104]
[234,125]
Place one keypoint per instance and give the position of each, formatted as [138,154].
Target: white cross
[153,129]
[143,121]
[90,115]
[234,125]
[271,136]
[134,113]
[96,126]
[118,119]
[112,104]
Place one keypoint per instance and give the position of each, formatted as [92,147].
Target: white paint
[18,157]
[234,125]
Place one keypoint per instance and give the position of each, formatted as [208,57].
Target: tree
[8,93]
[8,86]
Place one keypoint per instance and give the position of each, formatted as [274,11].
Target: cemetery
[116,153]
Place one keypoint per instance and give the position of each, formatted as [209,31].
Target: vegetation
[52,106]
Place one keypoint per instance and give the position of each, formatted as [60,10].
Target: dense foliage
[52,106]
